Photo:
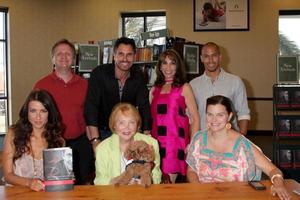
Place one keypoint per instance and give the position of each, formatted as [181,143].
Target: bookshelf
[286,129]
[147,55]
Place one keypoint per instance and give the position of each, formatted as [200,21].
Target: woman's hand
[35,184]
[279,189]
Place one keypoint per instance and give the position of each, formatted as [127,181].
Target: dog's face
[140,150]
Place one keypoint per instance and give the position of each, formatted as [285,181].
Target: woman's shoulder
[240,141]
[199,135]
[186,88]
[10,133]
[107,143]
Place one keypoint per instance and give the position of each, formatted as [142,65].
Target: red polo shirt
[69,98]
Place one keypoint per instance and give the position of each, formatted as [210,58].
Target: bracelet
[276,176]
[94,140]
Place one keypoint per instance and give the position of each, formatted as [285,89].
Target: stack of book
[289,158]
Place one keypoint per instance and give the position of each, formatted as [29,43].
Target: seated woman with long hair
[221,154]
[39,127]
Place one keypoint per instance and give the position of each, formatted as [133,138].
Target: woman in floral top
[221,154]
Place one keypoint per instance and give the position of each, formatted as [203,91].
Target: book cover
[285,158]
[284,127]
[295,100]
[88,57]
[58,169]
[287,69]
[295,127]
[282,99]
[297,158]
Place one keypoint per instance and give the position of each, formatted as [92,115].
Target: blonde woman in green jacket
[124,122]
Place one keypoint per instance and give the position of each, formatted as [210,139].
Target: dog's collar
[131,161]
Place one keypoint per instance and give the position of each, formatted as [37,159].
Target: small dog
[140,163]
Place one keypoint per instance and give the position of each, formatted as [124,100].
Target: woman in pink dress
[171,98]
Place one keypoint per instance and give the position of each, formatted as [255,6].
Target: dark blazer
[103,94]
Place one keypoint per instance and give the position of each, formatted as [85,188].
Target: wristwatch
[94,140]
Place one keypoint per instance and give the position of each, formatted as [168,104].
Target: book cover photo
[283,98]
[297,158]
[295,128]
[284,127]
[58,169]
[285,158]
[295,100]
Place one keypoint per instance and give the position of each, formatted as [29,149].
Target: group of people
[191,126]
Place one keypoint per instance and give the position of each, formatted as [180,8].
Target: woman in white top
[39,127]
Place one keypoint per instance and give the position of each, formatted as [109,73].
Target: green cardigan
[108,161]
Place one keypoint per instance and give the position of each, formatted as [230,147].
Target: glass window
[4,108]
[289,31]
[133,24]
[2,18]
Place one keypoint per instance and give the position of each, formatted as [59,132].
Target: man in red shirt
[69,92]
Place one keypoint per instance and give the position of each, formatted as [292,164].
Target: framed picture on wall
[221,15]
[191,58]
[287,69]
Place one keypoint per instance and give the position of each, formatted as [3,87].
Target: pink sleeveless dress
[170,126]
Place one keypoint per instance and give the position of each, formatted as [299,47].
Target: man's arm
[93,135]
[243,126]
[91,108]
[241,106]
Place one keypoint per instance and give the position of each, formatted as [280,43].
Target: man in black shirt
[114,83]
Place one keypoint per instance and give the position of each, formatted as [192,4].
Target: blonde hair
[126,109]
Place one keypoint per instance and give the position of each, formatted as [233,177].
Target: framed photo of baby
[221,15]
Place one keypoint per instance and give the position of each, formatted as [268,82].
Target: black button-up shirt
[103,94]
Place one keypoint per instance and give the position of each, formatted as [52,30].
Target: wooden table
[160,192]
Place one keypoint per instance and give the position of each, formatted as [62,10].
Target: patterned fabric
[170,126]
[211,166]
[27,167]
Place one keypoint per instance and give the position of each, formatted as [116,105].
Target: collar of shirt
[219,77]
[72,80]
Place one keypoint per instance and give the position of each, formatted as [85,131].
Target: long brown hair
[180,75]
[23,128]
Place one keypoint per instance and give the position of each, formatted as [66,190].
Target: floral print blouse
[211,166]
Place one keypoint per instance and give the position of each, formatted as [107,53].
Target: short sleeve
[192,150]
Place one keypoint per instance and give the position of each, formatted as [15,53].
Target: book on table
[58,169]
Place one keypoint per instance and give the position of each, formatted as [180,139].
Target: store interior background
[35,25]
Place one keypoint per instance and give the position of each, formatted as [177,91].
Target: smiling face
[217,117]
[211,58]
[37,115]
[124,57]
[126,126]
[63,56]
[168,68]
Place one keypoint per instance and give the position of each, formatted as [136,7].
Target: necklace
[169,81]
